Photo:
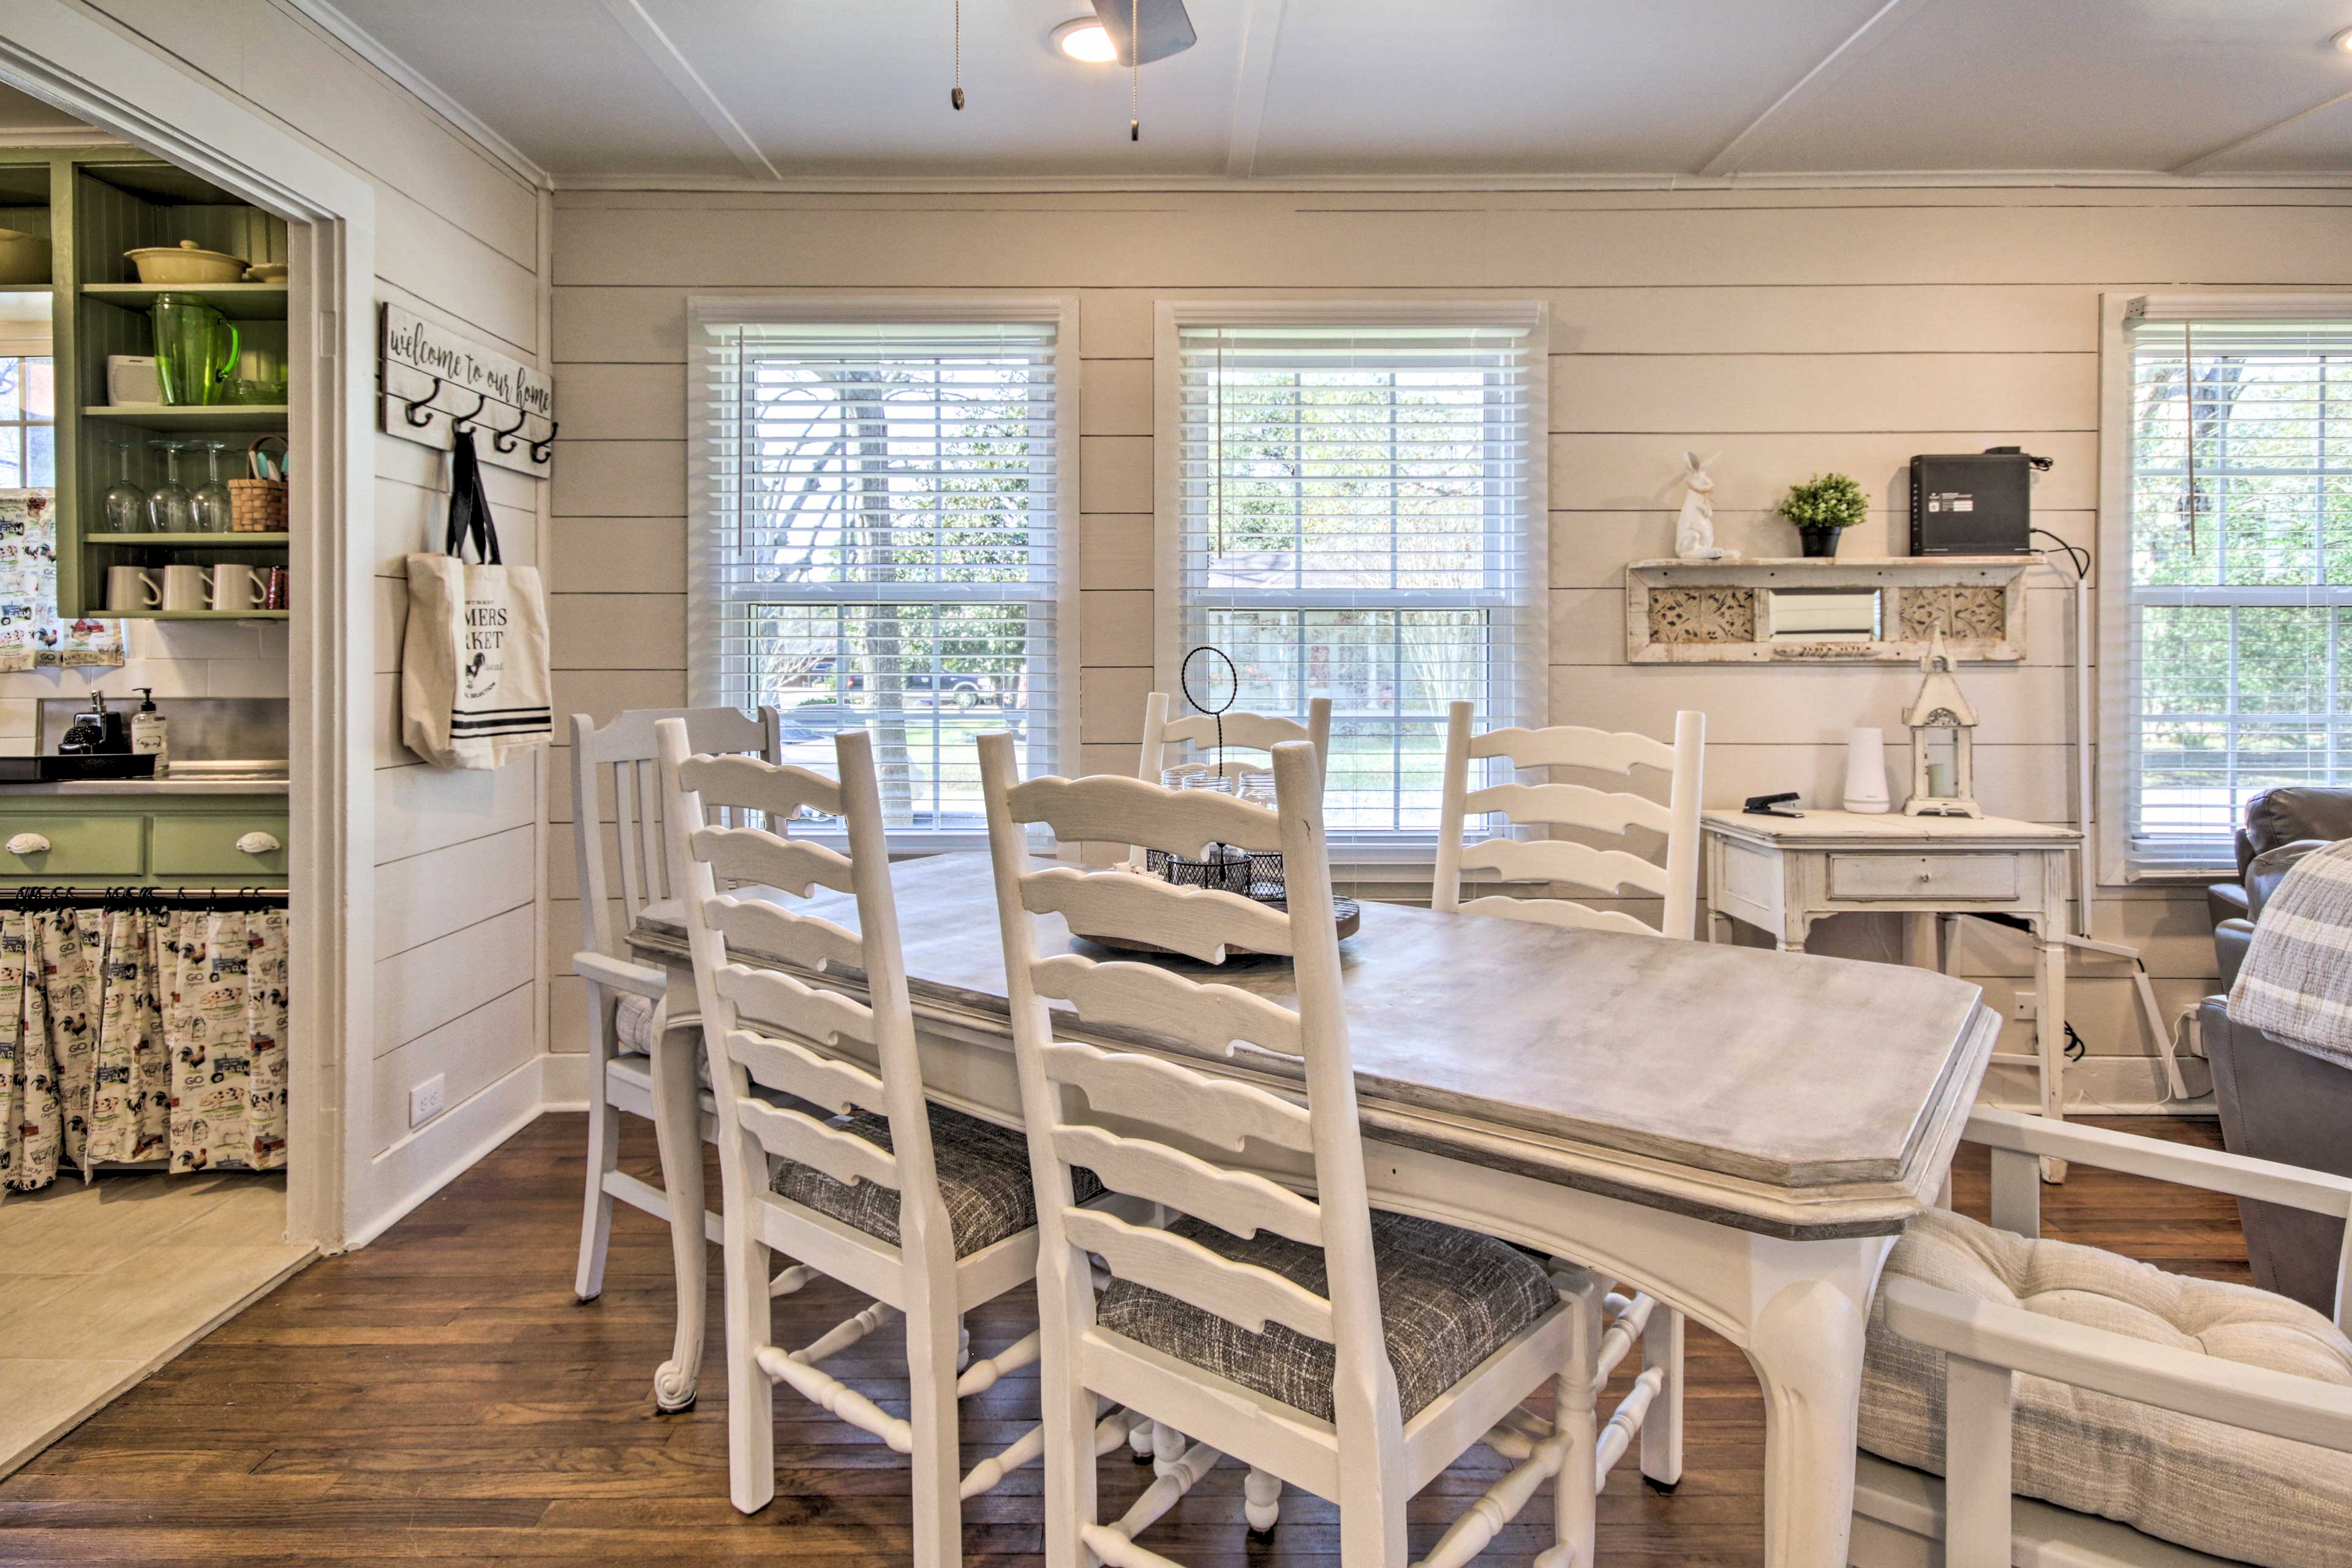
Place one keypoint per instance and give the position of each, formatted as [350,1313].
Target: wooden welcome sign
[434,381]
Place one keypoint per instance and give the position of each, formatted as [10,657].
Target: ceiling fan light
[1084,41]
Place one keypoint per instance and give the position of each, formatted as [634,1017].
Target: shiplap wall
[1779,334]
[459,240]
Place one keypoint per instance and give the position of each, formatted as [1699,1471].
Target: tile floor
[100,1285]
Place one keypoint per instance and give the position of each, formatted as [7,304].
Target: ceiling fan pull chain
[1134,71]
[956,97]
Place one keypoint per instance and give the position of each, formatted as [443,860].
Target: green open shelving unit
[93,204]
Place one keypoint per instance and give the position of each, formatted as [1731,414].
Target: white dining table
[1739,1132]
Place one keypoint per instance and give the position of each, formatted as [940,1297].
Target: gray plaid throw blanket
[2297,980]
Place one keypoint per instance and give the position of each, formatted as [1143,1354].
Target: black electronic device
[1973,503]
[1768,805]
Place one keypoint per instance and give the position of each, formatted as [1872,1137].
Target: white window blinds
[2239,577]
[879,517]
[1360,515]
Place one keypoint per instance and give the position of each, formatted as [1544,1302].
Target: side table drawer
[1986,876]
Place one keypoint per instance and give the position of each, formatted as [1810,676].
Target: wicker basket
[257,506]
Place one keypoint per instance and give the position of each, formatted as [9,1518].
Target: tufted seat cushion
[983,1172]
[634,1023]
[1449,1298]
[2239,1495]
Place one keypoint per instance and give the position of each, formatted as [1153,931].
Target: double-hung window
[28,436]
[1352,506]
[2235,566]
[881,498]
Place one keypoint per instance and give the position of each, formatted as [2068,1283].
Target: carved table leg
[1806,1346]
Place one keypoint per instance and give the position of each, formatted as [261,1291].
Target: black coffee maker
[98,732]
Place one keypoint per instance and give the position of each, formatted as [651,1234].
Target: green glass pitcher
[196,349]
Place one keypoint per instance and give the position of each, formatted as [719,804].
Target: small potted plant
[1824,507]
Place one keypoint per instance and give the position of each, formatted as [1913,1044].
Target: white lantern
[1943,742]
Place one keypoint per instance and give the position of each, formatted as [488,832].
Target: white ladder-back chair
[1602,871]
[926,1211]
[2159,1422]
[634,1064]
[1354,1354]
[1164,737]
[1608,873]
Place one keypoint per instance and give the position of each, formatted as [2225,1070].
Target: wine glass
[125,505]
[213,506]
[170,508]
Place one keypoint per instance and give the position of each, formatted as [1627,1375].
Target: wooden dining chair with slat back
[1279,1318]
[1166,739]
[1607,871]
[926,1210]
[642,1057]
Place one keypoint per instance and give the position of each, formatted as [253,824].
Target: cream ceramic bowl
[185,263]
[24,258]
[267,272]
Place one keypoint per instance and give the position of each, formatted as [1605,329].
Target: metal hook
[543,449]
[464,423]
[504,440]
[426,403]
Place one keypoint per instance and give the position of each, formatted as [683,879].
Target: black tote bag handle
[469,504]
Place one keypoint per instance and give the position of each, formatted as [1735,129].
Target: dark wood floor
[440,1398]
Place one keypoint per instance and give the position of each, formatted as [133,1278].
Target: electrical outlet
[425,1101]
[2020,1006]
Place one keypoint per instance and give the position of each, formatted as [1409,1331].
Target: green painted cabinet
[156,841]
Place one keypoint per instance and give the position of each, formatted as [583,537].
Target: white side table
[1781,874]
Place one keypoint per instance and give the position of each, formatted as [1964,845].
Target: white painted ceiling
[1311,89]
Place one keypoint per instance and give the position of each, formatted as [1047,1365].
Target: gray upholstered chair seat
[1449,1298]
[984,1182]
[2243,1496]
[634,1023]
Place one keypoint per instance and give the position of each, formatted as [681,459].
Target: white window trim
[1060,309]
[1406,857]
[2115,548]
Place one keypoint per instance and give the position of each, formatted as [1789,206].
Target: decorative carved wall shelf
[1808,611]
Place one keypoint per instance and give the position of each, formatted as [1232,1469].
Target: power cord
[2075,553]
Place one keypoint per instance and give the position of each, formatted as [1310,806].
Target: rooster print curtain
[132,1036]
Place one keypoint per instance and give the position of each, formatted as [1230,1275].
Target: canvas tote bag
[474,687]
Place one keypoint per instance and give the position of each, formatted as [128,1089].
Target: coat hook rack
[465,422]
[424,370]
[504,440]
[410,406]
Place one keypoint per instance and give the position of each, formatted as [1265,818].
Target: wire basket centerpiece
[1223,868]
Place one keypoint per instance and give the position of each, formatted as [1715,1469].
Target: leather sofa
[2278,1103]
[2282,815]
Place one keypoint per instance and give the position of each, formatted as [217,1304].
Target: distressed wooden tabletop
[1819,1084]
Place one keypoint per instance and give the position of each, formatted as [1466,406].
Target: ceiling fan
[1140,32]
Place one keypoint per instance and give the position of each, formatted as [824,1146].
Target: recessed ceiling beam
[1253,75]
[2204,161]
[1735,152]
[665,58]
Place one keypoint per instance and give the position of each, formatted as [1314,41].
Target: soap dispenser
[150,734]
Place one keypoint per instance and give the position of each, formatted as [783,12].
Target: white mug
[234,586]
[132,588]
[183,588]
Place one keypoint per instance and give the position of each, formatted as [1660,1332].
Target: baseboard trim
[2106,1086]
[438,1154]
[563,1080]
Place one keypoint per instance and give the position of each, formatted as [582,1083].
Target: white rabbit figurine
[1695,526]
